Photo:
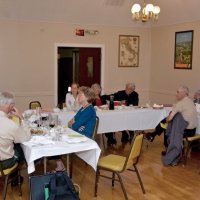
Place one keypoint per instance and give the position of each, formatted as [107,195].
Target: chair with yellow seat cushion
[117,164]
[34,104]
[188,144]
[6,175]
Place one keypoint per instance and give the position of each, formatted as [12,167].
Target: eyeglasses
[179,91]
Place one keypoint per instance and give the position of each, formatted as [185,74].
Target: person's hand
[123,102]
[170,117]
[81,128]
[70,123]
[15,112]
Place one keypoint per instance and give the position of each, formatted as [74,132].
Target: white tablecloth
[89,151]
[129,118]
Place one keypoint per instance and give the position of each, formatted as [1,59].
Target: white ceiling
[97,12]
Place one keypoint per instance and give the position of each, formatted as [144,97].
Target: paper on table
[73,138]
[157,106]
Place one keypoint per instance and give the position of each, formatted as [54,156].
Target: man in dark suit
[127,97]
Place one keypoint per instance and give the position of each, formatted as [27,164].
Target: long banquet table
[88,150]
[129,118]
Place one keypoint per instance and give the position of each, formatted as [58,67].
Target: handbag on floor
[54,186]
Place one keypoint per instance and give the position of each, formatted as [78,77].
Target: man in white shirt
[10,132]
[184,106]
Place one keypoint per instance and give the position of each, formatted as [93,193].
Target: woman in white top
[71,98]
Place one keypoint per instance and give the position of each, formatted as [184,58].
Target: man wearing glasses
[11,134]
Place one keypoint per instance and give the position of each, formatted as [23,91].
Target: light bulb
[136,8]
[149,7]
[156,10]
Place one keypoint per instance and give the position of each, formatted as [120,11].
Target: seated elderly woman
[99,100]
[85,119]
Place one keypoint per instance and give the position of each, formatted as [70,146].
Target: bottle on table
[111,103]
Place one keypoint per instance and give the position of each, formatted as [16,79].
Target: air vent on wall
[114,2]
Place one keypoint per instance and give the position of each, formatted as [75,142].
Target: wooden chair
[6,175]
[34,104]
[117,164]
[95,129]
[188,143]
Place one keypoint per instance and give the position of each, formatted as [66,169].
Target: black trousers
[18,157]
[159,130]
[125,135]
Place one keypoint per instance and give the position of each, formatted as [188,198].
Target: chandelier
[147,12]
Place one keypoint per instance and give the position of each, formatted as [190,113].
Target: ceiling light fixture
[145,13]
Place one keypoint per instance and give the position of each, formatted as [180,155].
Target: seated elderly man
[10,132]
[186,108]
[196,98]
[128,97]
[182,121]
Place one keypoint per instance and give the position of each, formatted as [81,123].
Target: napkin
[39,140]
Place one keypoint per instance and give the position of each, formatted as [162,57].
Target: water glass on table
[53,120]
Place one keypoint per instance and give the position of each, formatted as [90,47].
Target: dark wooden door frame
[101,46]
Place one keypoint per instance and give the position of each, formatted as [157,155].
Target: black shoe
[149,137]
[131,133]
[125,139]
[173,164]
[14,182]
[111,141]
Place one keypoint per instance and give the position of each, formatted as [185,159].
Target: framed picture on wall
[183,50]
[128,51]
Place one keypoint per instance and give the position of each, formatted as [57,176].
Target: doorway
[82,64]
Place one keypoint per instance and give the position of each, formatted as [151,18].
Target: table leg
[45,165]
[67,164]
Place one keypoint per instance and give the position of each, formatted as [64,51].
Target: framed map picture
[183,50]
[128,51]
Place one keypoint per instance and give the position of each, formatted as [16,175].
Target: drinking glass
[53,120]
